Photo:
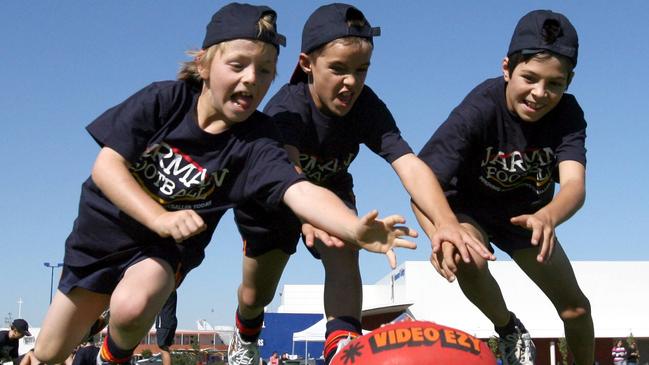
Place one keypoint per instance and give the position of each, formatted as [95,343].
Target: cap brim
[27,333]
[298,75]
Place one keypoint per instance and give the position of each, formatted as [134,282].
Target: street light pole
[52,266]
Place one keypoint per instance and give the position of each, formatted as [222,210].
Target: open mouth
[533,106]
[346,97]
[243,99]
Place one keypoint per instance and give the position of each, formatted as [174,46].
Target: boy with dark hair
[324,114]
[498,156]
[9,340]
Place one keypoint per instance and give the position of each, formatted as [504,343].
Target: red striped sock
[331,343]
[110,352]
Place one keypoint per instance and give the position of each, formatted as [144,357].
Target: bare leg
[165,355]
[261,276]
[342,280]
[137,300]
[557,280]
[67,322]
[477,283]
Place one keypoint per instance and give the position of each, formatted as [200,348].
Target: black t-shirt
[8,347]
[328,145]
[86,355]
[486,155]
[180,166]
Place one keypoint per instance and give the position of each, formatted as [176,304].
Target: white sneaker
[241,352]
[517,348]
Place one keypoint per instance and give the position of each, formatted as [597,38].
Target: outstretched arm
[326,211]
[111,175]
[310,232]
[571,196]
[434,211]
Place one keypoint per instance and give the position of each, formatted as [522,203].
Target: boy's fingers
[481,249]
[464,252]
[393,220]
[392,258]
[337,242]
[546,247]
[402,243]
[369,217]
[536,235]
[405,231]
[308,240]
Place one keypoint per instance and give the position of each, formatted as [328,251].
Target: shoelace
[242,354]
[513,346]
[517,347]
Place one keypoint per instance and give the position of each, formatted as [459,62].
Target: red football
[415,343]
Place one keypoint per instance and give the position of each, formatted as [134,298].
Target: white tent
[617,290]
[315,333]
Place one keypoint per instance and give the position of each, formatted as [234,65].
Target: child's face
[536,86]
[338,72]
[14,334]
[238,78]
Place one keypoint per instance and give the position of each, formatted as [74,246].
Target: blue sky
[62,63]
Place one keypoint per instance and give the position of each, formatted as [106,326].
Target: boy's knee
[576,312]
[129,312]
[476,270]
[47,355]
[251,298]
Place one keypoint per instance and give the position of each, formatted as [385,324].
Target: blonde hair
[189,69]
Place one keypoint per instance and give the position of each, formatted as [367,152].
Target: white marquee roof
[618,292]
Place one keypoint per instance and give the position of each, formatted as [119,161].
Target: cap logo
[541,30]
[551,31]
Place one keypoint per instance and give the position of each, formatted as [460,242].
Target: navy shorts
[263,230]
[102,276]
[167,322]
[494,221]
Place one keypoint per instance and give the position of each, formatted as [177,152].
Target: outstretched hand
[542,228]
[312,233]
[452,243]
[459,236]
[383,235]
[445,260]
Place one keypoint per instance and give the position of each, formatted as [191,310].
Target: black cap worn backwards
[21,326]
[531,35]
[239,21]
[328,23]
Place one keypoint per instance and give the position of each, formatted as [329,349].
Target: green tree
[493,345]
[563,350]
[190,357]
[630,339]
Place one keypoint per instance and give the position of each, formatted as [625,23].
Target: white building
[618,292]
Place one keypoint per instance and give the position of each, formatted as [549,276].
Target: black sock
[510,327]
[249,329]
[344,323]
[338,329]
